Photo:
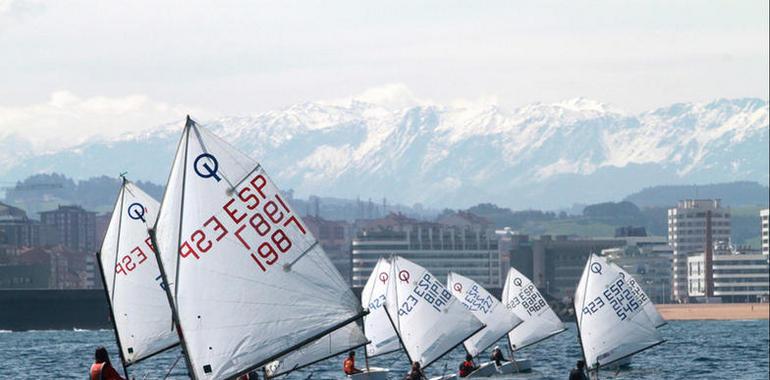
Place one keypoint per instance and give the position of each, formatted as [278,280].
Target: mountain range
[537,156]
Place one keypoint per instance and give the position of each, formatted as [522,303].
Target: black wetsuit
[577,374]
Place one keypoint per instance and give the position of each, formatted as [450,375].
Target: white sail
[611,320]
[248,281]
[337,342]
[647,304]
[377,326]
[498,320]
[131,276]
[429,320]
[540,322]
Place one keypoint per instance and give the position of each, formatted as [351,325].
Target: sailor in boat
[102,368]
[497,356]
[349,365]
[415,373]
[467,366]
[578,373]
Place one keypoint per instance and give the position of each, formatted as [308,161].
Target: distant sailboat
[611,320]
[521,296]
[129,270]
[430,322]
[247,281]
[498,319]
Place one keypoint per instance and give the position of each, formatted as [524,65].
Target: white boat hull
[489,369]
[372,373]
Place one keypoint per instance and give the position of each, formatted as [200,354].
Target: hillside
[543,156]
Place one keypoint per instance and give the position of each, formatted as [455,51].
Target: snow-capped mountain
[540,155]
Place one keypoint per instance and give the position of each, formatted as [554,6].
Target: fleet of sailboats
[224,267]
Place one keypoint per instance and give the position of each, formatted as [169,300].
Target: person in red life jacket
[102,369]
[349,365]
[467,366]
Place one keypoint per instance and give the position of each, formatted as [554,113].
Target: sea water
[693,350]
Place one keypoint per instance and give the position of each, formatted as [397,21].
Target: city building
[468,249]
[763,216]
[649,261]
[17,230]
[76,227]
[334,237]
[739,275]
[554,264]
[693,226]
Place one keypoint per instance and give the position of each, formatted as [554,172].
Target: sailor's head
[497,348]
[581,364]
[468,357]
[416,365]
[351,354]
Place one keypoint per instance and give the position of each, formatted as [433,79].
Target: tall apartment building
[693,226]
[764,215]
[470,250]
[75,227]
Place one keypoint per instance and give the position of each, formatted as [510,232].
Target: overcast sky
[103,67]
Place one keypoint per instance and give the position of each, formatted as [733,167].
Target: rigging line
[256,168]
[172,366]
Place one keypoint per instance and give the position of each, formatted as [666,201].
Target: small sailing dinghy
[377,326]
[247,281]
[521,297]
[429,321]
[499,322]
[140,313]
[611,320]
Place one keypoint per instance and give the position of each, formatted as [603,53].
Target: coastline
[714,311]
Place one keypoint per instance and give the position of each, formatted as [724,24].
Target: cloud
[67,119]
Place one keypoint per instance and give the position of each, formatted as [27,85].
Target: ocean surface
[694,350]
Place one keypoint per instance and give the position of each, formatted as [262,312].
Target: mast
[580,320]
[163,275]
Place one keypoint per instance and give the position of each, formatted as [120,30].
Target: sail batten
[251,283]
[611,318]
[128,266]
[429,321]
[499,321]
[539,321]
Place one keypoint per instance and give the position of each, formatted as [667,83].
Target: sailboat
[499,321]
[611,320]
[246,280]
[647,305]
[377,326]
[428,320]
[139,309]
[521,297]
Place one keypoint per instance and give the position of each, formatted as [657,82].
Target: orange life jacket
[348,365]
[96,371]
